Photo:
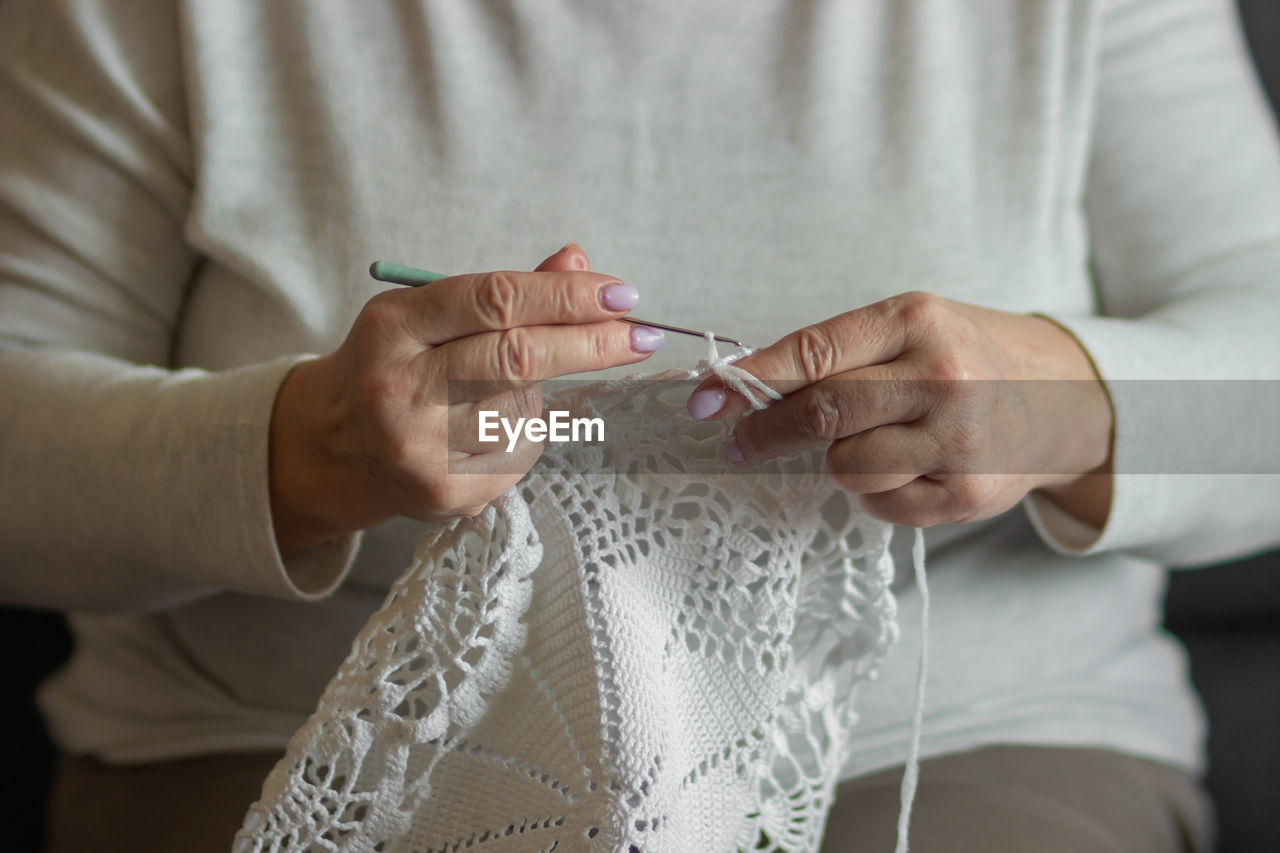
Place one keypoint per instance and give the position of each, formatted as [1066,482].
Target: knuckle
[598,346]
[819,417]
[399,455]
[377,394]
[816,352]
[381,315]
[566,302]
[497,299]
[574,300]
[916,314]
[515,356]
[442,495]
[609,344]
[967,494]
[378,303]
[916,307]
[527,400]
[950,369]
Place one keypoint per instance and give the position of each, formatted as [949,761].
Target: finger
[832,409]
[495,471]
[473,481]
[465,420]
[462,305]
[882,459]
[947,499]
[484,365]
[922,502]
[570,257]
[874,334]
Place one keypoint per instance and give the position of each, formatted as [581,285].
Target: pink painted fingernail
[733,451]
[705,403]
[645,339]
[619,297]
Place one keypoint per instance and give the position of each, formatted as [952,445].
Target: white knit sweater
[190,193]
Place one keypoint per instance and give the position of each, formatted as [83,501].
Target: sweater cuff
[1121,351]
[1060,530]
[236,471]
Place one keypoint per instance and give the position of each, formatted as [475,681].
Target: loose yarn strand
[758,394]
[911,773]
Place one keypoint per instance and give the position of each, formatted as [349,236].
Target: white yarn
[760,395]
[911,772]
[756,392]
[642,647]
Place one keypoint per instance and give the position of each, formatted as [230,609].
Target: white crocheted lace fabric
[642,647]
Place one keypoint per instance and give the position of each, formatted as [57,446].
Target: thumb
[571,257]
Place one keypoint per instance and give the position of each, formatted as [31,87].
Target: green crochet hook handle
[414,277]
[399,274]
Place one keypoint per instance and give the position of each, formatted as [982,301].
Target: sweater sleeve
[123,484]
[1182,199]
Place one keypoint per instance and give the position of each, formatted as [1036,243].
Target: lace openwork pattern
[641,647]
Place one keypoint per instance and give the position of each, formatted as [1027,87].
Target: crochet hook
[413,277]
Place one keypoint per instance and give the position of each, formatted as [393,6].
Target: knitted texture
[641,647]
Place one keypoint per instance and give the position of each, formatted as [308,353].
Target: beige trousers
[1014,799]
[999,800]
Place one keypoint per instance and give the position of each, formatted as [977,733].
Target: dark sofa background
[1229,618]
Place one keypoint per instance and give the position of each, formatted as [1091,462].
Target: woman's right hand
[382,427]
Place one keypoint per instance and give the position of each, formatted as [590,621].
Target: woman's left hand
[934,411]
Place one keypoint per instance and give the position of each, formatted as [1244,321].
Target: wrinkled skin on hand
[933,411]
[387,424]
